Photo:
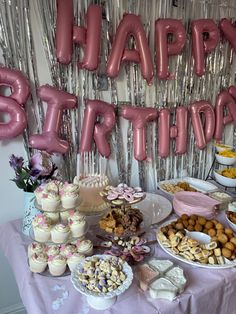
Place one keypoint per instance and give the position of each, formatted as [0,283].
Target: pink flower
[42,161]
[50,258]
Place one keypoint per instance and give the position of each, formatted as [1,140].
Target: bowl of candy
[226,177]
[221,147]
[226,157]
[102,278]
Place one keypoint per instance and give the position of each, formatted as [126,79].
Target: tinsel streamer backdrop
[129,88]
[18,52]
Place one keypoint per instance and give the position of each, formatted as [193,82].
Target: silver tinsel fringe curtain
[19,21]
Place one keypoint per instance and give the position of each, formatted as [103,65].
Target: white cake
[162,288]
[160,265]
[90,188]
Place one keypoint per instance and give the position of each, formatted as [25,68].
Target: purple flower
[42,162]
[16,162]
[34,174]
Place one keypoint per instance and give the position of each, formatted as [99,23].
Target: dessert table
[207,291]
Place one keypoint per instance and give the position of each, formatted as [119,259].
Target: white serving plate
[159,206]
[198,184]
[229,264]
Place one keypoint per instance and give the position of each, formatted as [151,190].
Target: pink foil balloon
[202,135]
[64,31]
[163,27]
[17,82]
[92,37]
[17,121]
[179,131]
[88,37]
[201,46]
[139,117]
[130,25]
[98,131]
[229,31]
[57,101]
[11,105]
[225,100]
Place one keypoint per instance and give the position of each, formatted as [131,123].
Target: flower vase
[30,211]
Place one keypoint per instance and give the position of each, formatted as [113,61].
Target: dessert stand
[99,300]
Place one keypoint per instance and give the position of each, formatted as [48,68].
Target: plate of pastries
[175,239]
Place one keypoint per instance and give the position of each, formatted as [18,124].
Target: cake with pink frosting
[90,189]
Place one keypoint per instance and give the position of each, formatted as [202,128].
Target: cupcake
[52,186]
[57,265]
[54,217]
[73,259]
[53,250]
[68,249]
[39,193]
[69,195]
[38,262]
[42,229]
[85,247]
[77,224]
[40,219]
[35,247]
[64,215]
[50,201]
[60,233]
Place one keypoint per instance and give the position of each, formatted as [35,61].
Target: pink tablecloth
[207,291]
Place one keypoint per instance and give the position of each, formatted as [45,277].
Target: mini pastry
[35,247]
[57,265]
[145,275]
[77,224]
[73,259]
[60,233]
[69,195]
[68,249]
[53,250]
[163,289]
[38,262]
[85,247]
[50,201]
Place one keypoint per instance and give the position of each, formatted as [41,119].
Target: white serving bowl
[100,300]
[220,148]
[225,180]
[232,225]
[228,161]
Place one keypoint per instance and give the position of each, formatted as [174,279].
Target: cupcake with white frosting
[42,228]
[53,216]
[53,250]
[35,247]
[64,215]
[50,201]
[38,262]
[69,195]
[52,186]
[60,233]
[68,249]
[57,265]
[85,247]
[73,259]
[39,193]
[77,224]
